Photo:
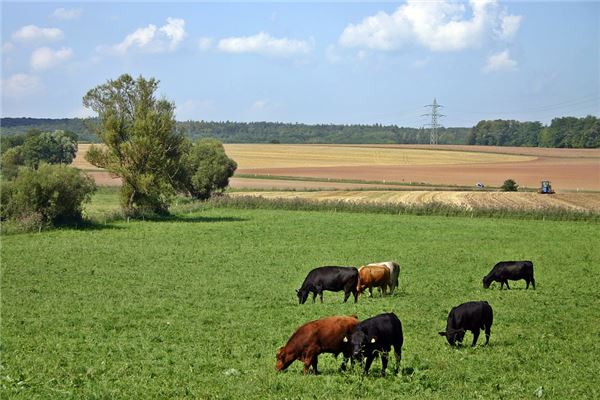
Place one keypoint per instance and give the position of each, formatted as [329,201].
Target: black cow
[513,270]
[329,278]
[472,316]
[375,336]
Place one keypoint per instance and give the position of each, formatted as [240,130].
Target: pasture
[195,306]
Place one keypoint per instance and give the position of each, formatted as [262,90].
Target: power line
[434,125]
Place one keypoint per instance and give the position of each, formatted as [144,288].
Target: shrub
[509,185]
[52,194]
[206,168]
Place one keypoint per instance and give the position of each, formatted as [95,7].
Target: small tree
[510,185]
[141,144]
[206,168]
[56,147]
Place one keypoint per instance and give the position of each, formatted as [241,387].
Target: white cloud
[32,33]
[154,40]
[260,105]
[66,14]
[438,25]
[174,30]
[509,26]
[500,62]
[265,44]
[205,43]
[332,53]
[20,85]
[45,57]
[7,47]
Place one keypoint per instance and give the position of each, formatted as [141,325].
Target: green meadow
[195,306]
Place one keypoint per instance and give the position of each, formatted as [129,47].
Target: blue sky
[337,62]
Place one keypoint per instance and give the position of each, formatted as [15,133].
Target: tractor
[546,188]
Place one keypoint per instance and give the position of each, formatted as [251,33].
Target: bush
[206,168]
[52,194]
[509,185]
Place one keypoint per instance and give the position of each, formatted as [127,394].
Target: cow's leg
[346,295]
[314,296]
[321,295]
[533,282]
[487,334]
[315,360]
[527,285]
[475,337]
[344,363]
[398,353]
[307,362]
[384,290]
[501,285]
[355,293]
[370,291]
[506,283]
[368,363]
[384,362]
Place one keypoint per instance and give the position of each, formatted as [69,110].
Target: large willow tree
[141,144]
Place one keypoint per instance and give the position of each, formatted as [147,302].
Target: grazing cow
[370,277]
[472,316]
[325,335]
[329,278]
[513,270]
[394,268]
[375,336]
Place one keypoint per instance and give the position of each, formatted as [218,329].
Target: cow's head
[453,336]
[361,344]
[487,281]
[281,359]
[302,295]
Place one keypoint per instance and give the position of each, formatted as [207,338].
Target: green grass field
[196,307]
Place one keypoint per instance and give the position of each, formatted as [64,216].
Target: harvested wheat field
[568,169]
[467,200]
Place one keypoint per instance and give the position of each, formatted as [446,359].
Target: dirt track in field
[468,200]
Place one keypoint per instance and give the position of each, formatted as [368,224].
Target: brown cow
[325,335]
[374,276]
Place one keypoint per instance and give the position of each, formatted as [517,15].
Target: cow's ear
[297,290]
[442,333]
[373,340]
[345,339]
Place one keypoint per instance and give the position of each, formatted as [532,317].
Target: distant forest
[562,132]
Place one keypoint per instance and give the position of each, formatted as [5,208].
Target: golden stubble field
[337,171]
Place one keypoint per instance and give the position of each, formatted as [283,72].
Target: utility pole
[433,133]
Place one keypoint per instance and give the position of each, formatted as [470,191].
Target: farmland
[410,174]
[197,305]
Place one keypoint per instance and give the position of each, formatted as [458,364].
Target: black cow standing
[375,336]
[472,316]
[513,270]
[329,278]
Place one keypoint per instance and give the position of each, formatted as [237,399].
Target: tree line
[564,132]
